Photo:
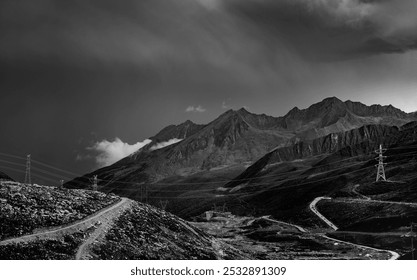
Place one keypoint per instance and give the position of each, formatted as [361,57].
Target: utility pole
[144,193]
[224,208]
[380,174]
[411,235]
[28,178]
[163,204]
[412,242]
[94,182]
[214,207]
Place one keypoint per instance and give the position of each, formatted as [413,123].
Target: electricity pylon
[380,174]
[28,177]
[94,181]
[144,193]
[163,204]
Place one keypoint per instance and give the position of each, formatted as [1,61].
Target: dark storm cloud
[128,68]
[333,29]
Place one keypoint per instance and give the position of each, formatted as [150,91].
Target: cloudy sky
[85,82]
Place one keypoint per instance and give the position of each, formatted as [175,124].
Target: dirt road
[394,255]
[313,208]
[106,220]
[301,229]
[68,229]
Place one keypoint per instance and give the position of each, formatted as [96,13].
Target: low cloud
[108,152]
[165,144]
[195,109]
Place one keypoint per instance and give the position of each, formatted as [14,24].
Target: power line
[197,183]
[282,187]
[260,177]
[33,168]
[247,179]
[33,175]
[41,163]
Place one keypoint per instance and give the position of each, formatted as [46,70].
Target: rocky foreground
[40,222]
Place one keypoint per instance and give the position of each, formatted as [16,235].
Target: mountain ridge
[238,137]
[4,176]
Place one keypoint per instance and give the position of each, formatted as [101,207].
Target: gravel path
[313,208]
[394,255]
[105,223]
[60,231]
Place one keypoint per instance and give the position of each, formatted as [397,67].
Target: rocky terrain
[131,230]
[49,249]
[49,223]
[145,232]
[265,238]
[25,208]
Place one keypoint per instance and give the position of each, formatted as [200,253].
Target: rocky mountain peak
[180,131]
[243,111]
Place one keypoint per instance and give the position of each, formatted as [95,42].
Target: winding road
[313,208]
[301,229]
[107,219]
[83,224]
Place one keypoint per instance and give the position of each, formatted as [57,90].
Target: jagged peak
[294,110]
[243,110]
[332,99]
[188,122]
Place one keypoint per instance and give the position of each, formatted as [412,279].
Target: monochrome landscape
[273,130]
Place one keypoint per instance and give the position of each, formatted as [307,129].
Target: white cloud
[110,152]
[195,109]
[165,144]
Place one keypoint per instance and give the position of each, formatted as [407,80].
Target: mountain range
[240,138]
[258,168]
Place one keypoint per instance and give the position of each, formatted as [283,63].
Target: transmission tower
[94,181]
[28,177]
[411,234]
[163,204]
[144,193]
[380,174]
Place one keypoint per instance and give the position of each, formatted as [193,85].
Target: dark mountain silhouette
[4,176]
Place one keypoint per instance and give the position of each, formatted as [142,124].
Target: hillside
[40,222]
[4,176]
[268,183]
[111,227]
